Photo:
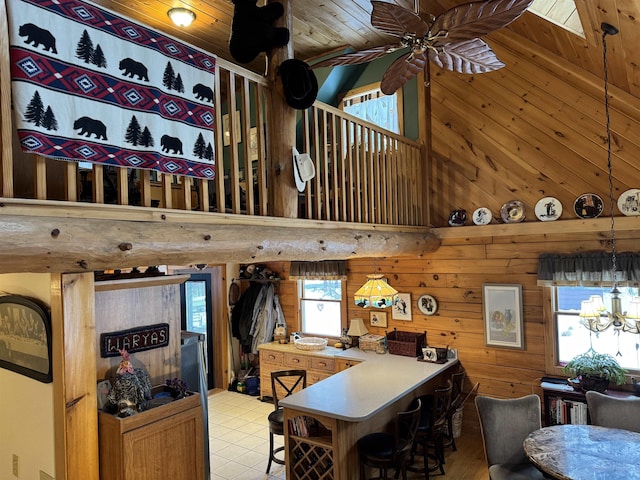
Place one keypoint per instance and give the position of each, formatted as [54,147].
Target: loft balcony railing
[364,174]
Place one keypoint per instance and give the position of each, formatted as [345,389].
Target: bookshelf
[564,405]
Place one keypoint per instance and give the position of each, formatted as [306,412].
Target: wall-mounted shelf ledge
[108,285]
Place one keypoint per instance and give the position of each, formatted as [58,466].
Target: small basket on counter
[370,341]
[408,344]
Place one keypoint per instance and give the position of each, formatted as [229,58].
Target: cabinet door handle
[272,357]
[295,360]
[322,364]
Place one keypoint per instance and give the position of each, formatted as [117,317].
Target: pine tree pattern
[178,85]
[40,116]
[35,110]
[169,76]
[136,135]
[88,54]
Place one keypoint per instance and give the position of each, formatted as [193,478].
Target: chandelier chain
[609,166]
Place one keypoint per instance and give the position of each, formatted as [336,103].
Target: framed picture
[378,319]
[25,337]
[253,143]
[427,305]
[226,132]
[402,308]
[502,312]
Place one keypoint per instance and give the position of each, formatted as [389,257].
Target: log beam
[70,238]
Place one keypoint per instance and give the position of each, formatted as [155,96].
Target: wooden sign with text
[134,340]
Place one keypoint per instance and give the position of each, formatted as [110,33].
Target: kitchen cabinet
[319,364]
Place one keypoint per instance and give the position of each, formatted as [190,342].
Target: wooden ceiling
[320,27]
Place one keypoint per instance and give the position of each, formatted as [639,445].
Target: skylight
[561,12]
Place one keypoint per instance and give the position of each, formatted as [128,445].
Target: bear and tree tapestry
[91,86]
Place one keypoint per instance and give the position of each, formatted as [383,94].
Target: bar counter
[350,404]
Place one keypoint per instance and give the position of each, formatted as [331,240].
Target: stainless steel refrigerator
[193,372]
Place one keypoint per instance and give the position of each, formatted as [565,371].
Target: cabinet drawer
[321,363]
[314,376]
[296,361]
[275,358]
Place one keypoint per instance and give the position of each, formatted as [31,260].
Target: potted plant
[594,371]
[177,387]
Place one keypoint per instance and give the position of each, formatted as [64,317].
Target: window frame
[343,304]
[374,88]
[550,318]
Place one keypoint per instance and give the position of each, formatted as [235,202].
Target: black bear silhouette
[131,68]
[38,36]
[171,143]
[202,92]
[89,126]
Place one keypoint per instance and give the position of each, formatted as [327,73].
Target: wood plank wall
[535,128]
[454,275]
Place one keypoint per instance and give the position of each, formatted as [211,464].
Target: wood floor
[466,464]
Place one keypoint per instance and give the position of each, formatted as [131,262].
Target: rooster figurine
[131,389]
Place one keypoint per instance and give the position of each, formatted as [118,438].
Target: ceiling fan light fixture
[182,17]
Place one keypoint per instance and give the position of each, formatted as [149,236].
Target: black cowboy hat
[299,83]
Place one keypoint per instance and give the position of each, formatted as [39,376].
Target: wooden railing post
[283,195]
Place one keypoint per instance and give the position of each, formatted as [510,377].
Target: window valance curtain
[589,269]
[325,270]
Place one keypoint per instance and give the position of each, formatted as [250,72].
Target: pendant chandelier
[593,313]
[376,292]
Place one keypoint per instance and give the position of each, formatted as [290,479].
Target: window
[370,104]
[321,307]
[572,338]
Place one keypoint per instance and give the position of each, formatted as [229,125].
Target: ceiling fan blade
[361,56]
[395,20]
[476,19]
[401,71]
[473,56]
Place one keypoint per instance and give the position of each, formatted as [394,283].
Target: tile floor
[239,438]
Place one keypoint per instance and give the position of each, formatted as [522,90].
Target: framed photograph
[25,337]
[502,312]
[378,319]
[427,305]
[402,308]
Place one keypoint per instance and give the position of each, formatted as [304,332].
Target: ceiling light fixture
[593,313]
[182,17]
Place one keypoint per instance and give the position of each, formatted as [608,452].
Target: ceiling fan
[451,40]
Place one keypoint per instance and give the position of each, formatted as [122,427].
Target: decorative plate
[548,209]
[588,205]
[512,212]
[427,305]
[482,216]
[457,218]
[629,202]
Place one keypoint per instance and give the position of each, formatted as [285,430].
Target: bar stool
[431,431]
[383,450]
[295,380]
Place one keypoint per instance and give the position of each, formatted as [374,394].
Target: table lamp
[356,329]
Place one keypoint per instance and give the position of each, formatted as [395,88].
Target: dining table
[585,452]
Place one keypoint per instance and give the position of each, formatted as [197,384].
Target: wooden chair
[613,412]
[287,381]
[383,450]
[504,424]
[431,431]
